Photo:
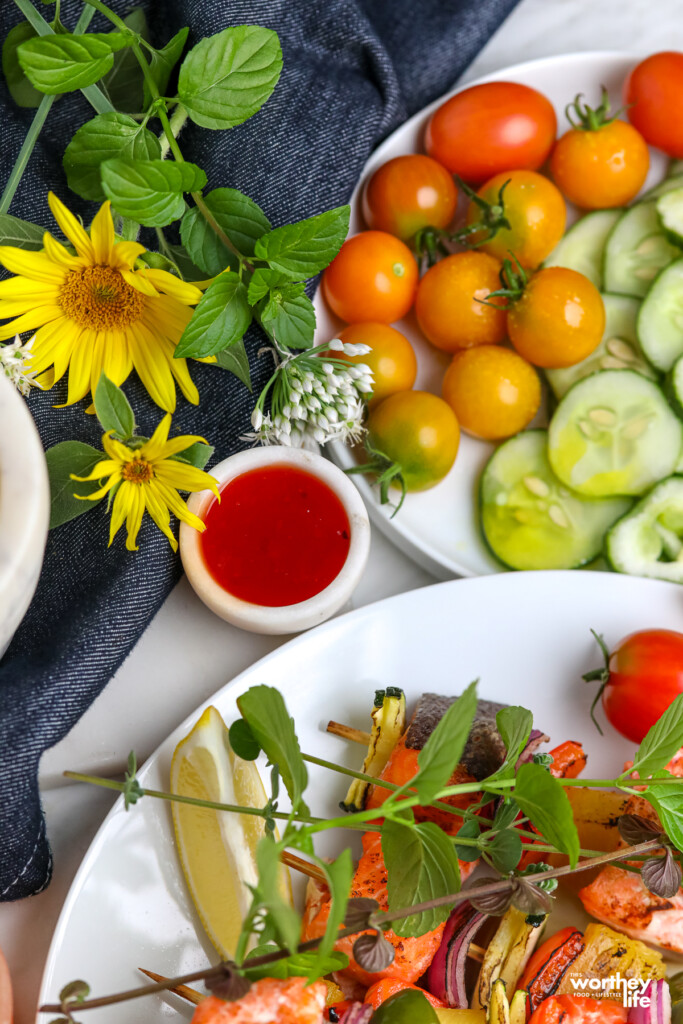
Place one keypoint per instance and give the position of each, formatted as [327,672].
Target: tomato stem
[600,675]
[491,219]
[513,279]
[583,118]
[387,472]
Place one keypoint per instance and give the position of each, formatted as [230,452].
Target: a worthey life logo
[632,991]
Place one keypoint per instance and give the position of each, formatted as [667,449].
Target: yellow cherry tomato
[493,392]
[449,305]
[559,319]
[417,431]
[535,210]
[372,277]
[391,359]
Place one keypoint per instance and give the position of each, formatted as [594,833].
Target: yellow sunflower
[148,478]
[94,311]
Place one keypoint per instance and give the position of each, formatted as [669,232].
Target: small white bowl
[288,618]
[24,509]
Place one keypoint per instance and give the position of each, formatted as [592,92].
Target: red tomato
[578,1010]
[388,987]
[5,992]
[490,128]
[409,193]
[373,277]
[645,675]
[654,98]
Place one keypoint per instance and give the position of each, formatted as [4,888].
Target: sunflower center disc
[99,298]
[138,472]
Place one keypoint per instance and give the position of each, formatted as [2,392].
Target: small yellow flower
[93,311]
[148,478]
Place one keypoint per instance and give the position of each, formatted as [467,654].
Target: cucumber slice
[613,433]
[670,210]
[675,170]
[583,245]
[673,388]
[635,251]
[660,320]
[529,519]
[648,541]
[673,180]
[618,350]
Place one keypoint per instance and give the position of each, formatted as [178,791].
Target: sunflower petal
[72,228]
[117,358]
[97,364]
[96,495]
[29,321]
[179,508]
[124,255]
[102,234]
[116,450]
[60,254]
[184,477]
[153,448]
[178,444]
[158,510]
[80,367]
[102,469]
[119,509]
[164,315]
[182,291]
[35,265]
[136,510]
[181,372]
[138,280]
[152,366]
[17,307]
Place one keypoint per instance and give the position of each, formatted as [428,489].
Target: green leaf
[299,965]
[262,281]
[421,865]
[176,261]
[470,830]
[151,191]
[514,725]
[226,78]
[124,83]
[113,409]
[62,460]
[219,321]
[289,317]
[243,741]
[235,360]
[197,455]
[63,63]
[668,803]
[281,914]
[339,875]
[443,750]
[507,812]
[543,799]
[20,233]
[307,247]
[162,62]
[238,216]
[264,709]
[407,1007]
[106,137]
[21,90]
[505,850]
[661,742]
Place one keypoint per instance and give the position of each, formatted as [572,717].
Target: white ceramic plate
[526,635]
[439,528]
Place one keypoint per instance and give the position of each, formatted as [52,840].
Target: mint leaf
[421,865]
[301,965]
[198,454]
[662,741]
[264,710]
[542,798]
[289,317]
[226,78]
[235,360]
[113,409]
[262,281]
[668,803]
[514,725]
[281,915]
[304,249]
[62,460]
[63,63]
[505,850]
[443,750]
[106,137]
[219,321]
[238,216]
[20,89]
[20,233]
[469,830]
[162,62]
[151,191]
[124,83]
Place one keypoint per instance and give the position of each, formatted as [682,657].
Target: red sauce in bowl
[278,536]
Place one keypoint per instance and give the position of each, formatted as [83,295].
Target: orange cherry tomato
[654,100]
[578,1010]
[373,277]
[388,987]
[419,432]
[449,305]
[535,209]
[490,128]
[391,359]
[599,162]
[559,320]
[493,392]
[409,193]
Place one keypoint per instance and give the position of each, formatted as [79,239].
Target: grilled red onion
[536,737]
[357,1013]
[446,974]
[659,1010]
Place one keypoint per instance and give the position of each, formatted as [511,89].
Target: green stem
[176,124]
[25,152]
[108,14]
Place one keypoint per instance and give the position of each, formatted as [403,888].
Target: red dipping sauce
[278,536]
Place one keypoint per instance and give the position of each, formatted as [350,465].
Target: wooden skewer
[304,866]
[184,991]
[347,733]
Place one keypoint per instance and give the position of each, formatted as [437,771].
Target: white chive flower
[15,363]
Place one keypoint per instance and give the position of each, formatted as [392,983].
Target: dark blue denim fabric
[353,71]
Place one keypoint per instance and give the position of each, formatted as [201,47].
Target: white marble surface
[537,28]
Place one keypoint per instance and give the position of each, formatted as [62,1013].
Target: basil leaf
[470,830]
[544,801]
[506,813]
[289,317]
[280,913]
[219,321]
[198,454]
[238,216]
[226,78]
[514,725]
[235,360]
[264,710]
[162,62]
[62,460]
[339,875]
[668,804]
[505,850]
[124,83]
[105,137]
[305,248]
[151,191]
[113,409]
[299,965]
[443,750]
[20,89]
[662,741]
[408,1007]
[421,865]
[20,233]
[63,63]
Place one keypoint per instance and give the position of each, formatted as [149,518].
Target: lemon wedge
[217,849]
